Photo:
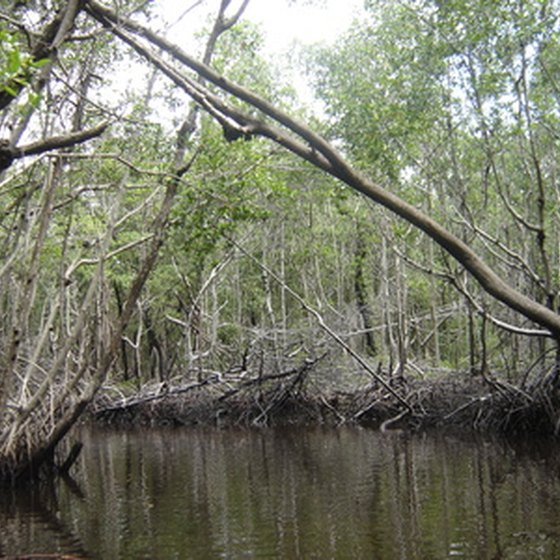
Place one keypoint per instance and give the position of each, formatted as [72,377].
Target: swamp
[292,298]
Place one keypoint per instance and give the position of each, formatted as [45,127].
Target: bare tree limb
[62,141]
[321,322]
[8,154]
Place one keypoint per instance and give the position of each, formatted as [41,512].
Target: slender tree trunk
[360,291]
[386,299]
[471,340]
[402,318]
[436,354]
[124,353]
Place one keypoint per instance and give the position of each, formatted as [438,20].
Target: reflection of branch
[73,486]
[43,507]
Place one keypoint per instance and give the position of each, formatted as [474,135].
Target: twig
[367,408]
[333,409]
[467,405]
[307,365]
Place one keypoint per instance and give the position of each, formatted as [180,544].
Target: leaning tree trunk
[41,402]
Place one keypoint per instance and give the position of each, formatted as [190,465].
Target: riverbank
[478,403]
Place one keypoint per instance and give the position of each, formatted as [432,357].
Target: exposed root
[480,404]
[388,423]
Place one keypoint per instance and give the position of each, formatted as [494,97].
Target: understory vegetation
[177,245]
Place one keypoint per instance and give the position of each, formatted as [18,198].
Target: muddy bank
[452,401]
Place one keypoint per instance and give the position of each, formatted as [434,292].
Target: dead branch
[162,391]
[321,322]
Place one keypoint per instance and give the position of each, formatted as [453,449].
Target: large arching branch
[304,142]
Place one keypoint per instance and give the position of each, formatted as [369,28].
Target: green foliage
[454,105]
[16,66]
[388,103]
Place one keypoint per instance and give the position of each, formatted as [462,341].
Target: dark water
[298,493]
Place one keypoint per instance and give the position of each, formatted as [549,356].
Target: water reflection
[293,493]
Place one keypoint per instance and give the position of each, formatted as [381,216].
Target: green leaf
[40,63]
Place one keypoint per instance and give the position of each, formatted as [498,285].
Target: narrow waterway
[293,493]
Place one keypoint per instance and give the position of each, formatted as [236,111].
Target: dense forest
[173,220]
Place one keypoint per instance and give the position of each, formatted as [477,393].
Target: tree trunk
[360,290]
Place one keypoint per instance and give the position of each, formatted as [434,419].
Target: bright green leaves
[12,64]
[239,56]
[375,95]
[16,66]
[221,193]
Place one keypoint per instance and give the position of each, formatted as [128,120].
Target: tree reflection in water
[293,493]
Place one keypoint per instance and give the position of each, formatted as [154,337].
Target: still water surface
[293,493]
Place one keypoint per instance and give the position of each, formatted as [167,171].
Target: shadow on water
[293,493]
[31,522]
